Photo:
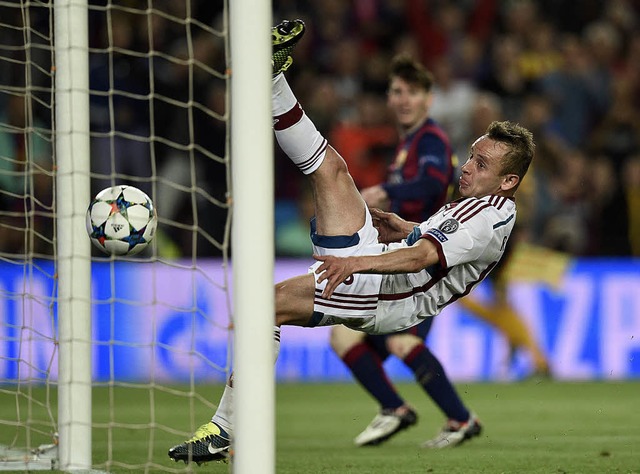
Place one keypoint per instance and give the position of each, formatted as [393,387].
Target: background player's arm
[403,260]
[375,196]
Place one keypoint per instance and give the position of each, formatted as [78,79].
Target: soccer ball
[121,220]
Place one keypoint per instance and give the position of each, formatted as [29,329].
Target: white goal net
[160,321]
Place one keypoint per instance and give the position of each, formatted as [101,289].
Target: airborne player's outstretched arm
[403,260]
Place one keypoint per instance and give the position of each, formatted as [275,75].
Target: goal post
[74,256]
[253,257]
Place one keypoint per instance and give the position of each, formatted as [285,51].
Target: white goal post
[252,165]
[74,255]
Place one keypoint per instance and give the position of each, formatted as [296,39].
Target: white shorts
[354,302]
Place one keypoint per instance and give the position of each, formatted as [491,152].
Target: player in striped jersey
[376,272]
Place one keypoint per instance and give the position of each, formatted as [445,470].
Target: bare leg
[294,300]
[340,210]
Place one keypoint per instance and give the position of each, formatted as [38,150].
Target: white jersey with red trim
[470,235]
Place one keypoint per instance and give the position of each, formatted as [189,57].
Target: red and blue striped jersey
[420,178]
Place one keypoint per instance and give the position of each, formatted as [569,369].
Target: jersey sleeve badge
[449,226]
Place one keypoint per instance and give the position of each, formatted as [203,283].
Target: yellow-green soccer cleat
[209,443]
[283,38]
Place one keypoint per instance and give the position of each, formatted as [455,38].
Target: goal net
[160,321]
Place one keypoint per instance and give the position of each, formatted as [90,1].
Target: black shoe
[210,443]
[283,39]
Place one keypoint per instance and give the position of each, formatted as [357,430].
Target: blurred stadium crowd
[569,70]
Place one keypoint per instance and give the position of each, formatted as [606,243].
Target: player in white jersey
[468,236]
[377,272]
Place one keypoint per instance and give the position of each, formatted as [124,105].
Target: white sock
[282,97]
[224,414]
[295,132]
[276,343]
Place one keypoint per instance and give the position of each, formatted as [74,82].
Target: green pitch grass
[529,427]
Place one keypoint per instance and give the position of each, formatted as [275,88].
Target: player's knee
[343,339]
[334,165]
[294,301]
[400,345]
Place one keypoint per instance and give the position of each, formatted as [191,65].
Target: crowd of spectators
[568,70]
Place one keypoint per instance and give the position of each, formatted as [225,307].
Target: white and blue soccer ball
[121,220]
